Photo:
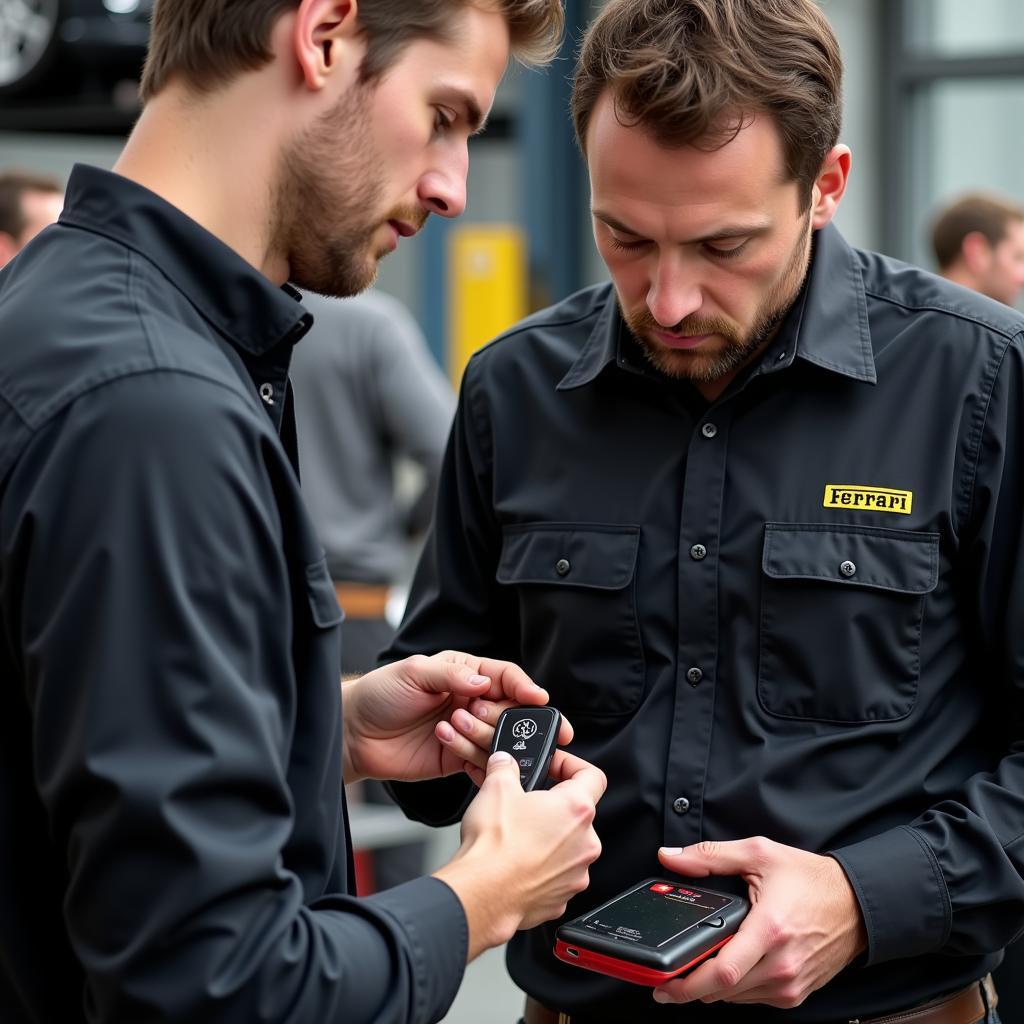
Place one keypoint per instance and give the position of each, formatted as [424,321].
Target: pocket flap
[861,556]
[323,601]
[571,554]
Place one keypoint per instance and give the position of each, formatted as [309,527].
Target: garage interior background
[933,97]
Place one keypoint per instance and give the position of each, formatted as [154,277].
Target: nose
[674,293]
[442,189]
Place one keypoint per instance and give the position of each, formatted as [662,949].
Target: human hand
[470,732]
[524,855]
[803,928]
[394,716]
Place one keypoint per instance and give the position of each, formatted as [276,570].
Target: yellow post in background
[487,289]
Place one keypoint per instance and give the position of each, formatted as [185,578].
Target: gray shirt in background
[367,392]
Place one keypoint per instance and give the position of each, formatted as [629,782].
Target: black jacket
[793,612]
[174,841]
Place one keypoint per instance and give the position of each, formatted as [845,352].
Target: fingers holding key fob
[530,735]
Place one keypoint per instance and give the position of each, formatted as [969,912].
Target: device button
[715,922]
[680,805]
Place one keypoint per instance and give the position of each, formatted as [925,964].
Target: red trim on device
[623,969]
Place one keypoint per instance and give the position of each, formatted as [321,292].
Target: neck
[215,164]
[959,274]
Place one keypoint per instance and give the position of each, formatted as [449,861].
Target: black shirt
[794,612]
[171,804]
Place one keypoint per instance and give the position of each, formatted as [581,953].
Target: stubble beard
[736,347]
[323,202]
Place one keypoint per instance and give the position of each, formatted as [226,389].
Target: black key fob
[529,735]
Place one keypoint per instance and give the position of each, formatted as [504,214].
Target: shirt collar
[228,292]
[828,325]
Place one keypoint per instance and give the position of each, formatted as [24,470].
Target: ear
[327,41]
[830,185]
[976,252]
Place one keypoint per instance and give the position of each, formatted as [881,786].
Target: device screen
[655,914]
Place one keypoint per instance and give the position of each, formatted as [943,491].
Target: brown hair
[209,42]
[13,186]
[976,211]
[694,72]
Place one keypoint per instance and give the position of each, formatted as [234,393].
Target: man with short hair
[28,203]
[978,241]
[752,512]
[172,747]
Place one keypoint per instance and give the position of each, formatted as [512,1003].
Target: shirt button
[698,552]
[709,430]
[680,805]
[694,676]
[267,393]
[847,568]
[562,567]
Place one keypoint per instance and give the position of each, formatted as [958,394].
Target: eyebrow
[729,231]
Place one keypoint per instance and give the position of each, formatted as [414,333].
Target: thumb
[709,858]
[502,767]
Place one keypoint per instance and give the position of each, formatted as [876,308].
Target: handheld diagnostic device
[652,932]
[529,734]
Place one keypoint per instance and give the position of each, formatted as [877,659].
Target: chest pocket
[841,612]
[576,589]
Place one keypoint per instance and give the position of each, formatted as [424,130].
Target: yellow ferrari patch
[871,499]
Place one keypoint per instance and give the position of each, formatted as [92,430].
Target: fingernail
[671,851]
[479,679]
[463,720]
[445,732]
[478,708]
[500,757]
[661,997]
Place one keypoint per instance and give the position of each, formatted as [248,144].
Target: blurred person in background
[28,203]
[368,394]
[978,242]
[174,733]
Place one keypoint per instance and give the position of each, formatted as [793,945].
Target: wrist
[488,900]
[349,743]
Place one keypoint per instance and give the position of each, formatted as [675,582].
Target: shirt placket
[698,627]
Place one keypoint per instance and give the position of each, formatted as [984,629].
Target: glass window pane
[963,27]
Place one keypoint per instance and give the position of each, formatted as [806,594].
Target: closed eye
[622,246]
[443,120]
[725,252]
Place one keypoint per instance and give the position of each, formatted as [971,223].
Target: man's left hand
[393,715]
[803,928]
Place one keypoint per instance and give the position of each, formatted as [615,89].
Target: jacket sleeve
[156,637]
[455,601]
[950,881]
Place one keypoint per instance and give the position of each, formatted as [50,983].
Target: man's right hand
[524,855]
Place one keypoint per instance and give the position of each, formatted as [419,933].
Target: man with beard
[172,748]
[752,513]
